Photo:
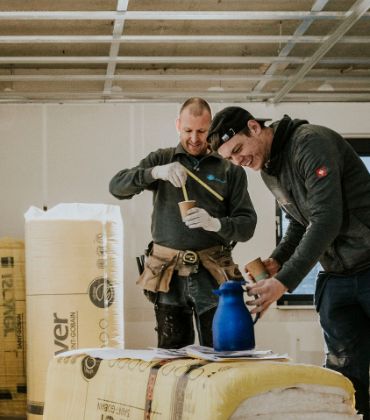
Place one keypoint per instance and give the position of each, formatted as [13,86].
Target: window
[303,294]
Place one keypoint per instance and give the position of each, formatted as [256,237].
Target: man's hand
[265,292]
[199,218]
[172,172]
[272,266]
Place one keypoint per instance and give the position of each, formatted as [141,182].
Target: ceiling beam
[114,47]
[173,77]
[178,15]
[177,60]
[148,95]
[135,77]
[285,51]
[354,14]
[147,59]
[174,39]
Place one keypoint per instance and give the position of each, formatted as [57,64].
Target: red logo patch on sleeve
[321,172]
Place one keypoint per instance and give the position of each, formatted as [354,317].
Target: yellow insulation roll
[83,387]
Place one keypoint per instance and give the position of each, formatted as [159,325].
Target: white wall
[54,153]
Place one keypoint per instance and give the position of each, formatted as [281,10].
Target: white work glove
[199,218]
[172,172]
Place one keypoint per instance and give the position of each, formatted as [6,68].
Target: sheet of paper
[209,353]
[112,353]
[194,351]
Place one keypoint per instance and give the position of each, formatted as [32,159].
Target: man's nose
[194,136]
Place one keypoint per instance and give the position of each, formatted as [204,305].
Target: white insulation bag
[74,286]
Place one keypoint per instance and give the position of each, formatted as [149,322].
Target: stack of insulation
[74,287]
[12,329]
[84,387]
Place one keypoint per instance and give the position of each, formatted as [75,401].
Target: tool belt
[162,262]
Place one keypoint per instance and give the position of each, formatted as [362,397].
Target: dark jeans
[188,297]
[343,303]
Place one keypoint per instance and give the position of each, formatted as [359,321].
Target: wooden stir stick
[186,197]
[203,184]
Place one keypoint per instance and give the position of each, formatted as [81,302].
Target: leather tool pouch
[157,272]
[219,262]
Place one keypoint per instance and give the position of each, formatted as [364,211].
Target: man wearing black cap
[324,188]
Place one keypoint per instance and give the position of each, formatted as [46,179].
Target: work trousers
[189,301]
[343,303]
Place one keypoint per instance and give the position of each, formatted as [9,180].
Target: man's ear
[254,127]
[177,123]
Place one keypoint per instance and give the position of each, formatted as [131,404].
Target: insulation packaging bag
[74,286]
[96,388]
[12,329]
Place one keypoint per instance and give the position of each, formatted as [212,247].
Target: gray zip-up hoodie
[324,187]
[236,213]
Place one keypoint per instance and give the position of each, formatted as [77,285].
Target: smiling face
[193,130]
[251,151]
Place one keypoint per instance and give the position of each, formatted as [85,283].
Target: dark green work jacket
[235,212]
[324,187]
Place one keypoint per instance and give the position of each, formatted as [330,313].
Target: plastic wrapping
[12,329]
[85,387]
[74,288]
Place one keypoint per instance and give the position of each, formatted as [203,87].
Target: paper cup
[257,269]
[185,206]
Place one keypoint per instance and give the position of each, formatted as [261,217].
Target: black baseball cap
[230,121]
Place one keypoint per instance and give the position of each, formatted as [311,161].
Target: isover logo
[101,292]
[65,332]
[90,366]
